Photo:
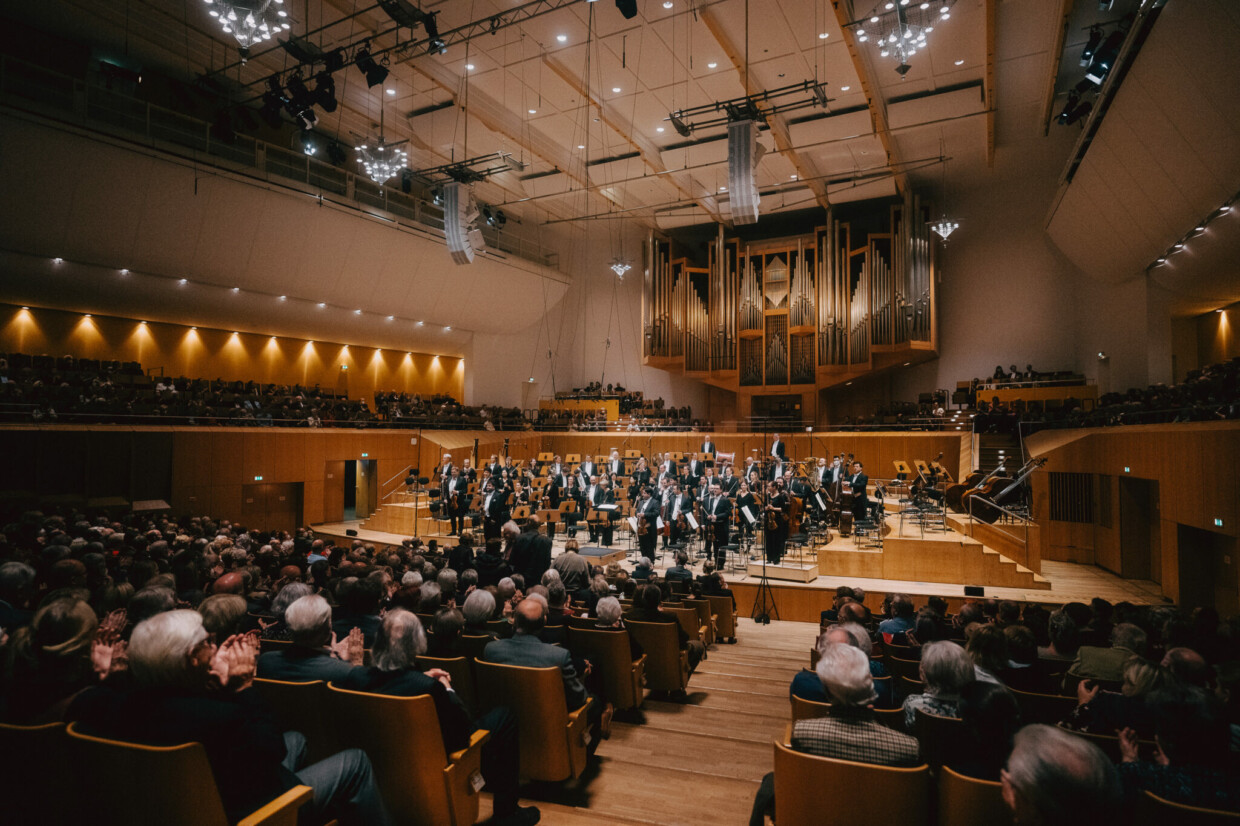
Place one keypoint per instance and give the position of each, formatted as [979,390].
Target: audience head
[530,616]
[1022,647]
[1065,636]
[845,672]
[222,615]
[1127,635]
[1055,778]
[1142,677]
[170,650]
[847,633]
[988,647]
[448,623]
[151,601]
[399,641]
[309,621]
[288,595]
[1188,666]
[478,608]
[992,717]
[946,668]
[56,644]
[609,611]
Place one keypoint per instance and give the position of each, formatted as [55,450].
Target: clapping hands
[235,662]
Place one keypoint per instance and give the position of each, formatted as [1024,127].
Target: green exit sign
[1127,469]
[364,455]
[1218,523]
[258,478]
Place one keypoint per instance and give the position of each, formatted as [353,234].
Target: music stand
[760,612]
[422,480]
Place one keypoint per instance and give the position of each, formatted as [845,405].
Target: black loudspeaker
[628,8]
[974,591]
[350,532]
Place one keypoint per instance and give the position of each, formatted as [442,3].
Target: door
[1138,526]
[366,487]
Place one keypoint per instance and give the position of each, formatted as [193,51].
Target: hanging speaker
[742,167]
[460,215]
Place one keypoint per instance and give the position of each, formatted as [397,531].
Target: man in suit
[615,465]
[531,553]
[315,653]
[778,449]
[591,496]
[717,513]
[647,511]
[494,511]
[445,469]
[1097,663]
[861,498]
[678,502]
[524,648]
[607,497]
[729,484]
[183,688]
[851,732]
[708,446]
[587,468]
[456,500]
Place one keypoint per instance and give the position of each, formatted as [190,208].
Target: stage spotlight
[374,72]
[300,95]
[500,219]
[1101,65]
[402,12]
[680,126]
[1071,115]
[1091,48]
[431,24]
[628,8]
[302,50]
[325,91]
[333,61]
[308,144]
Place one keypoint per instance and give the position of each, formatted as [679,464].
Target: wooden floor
[697,762]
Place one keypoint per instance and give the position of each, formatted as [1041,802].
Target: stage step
[790,571]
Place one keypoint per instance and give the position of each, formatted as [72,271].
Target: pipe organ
[797,312]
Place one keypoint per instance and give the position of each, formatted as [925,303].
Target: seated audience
[223,615]
[991,719]
[445,639]
[901,621]
[1064,638]
[646,608]
[945,669]
[478,609]
[987,646]
[315,653]
[806,684]
[1097,663]
[1055,778]
[1105,712]
[185,689]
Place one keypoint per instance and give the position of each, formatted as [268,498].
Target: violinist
[716,515]
[729,484]
[454,500]
[673,515]
[467,471]
[641,474]
[745,498]
[776,521]
[647,509]
[520,496]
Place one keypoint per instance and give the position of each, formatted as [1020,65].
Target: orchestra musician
[776,521]
[520,495]
[467,471]
[677,504]
[641,474]
[779,453]
[716,515]
[615,465]
[608,497]
[708,447]
[588,469]
[752,466]
[861,500]
[746,498]
[729,484]
[696,469]
[495,511]
[647,509]
[445,469]
[455,500]
[556,468]
[572,493]
[494,466]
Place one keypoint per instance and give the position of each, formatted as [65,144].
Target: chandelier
[248,21]
[381,159]
[620,266]
[943,227]
[898,28]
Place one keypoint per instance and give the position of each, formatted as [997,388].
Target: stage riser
[806,572]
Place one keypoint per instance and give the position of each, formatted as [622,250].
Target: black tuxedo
[588,469]
[649,511]
[531,556]
[779,451]
[708,447]
[716,532]
[456,501]
[861,500]
[615,467]
[729,485]
[495,512]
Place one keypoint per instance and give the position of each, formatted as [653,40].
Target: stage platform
[804,600]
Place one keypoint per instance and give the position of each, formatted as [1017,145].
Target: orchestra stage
[940,563]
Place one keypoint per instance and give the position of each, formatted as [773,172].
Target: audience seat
[474,644]
[1152,810]
[690,621]
[421,782]
[884,794]
[892,718]
[299,707]
[461,672]
[910,669]
[904,652]
[808,709]
[706,618]
[129,783]
[1042,708]
[964,801]
[942,738]
[553,739]
[667,667]
[31,791]
[1109,743]
[621,676]
[725,616]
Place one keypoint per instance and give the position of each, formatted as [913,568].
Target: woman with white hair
[610,618]
[398,644]
[945,669]
[185,689]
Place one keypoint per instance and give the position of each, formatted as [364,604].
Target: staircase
[402,512]
[994,447]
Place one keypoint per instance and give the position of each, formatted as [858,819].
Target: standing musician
[776,522]
[694,471]
[641,474]
[454,492]
[746,498]
[729,484]
[467,471]
[708,446]
[647,510]
[572,493]
[677,504]
[556,468]
[592,496]
[822,473]
[607,497]
[445,469]
[588,469]
[494,466]
[717,513]
[520,496]
[495,510]
[752,466]
[779,455]
[615,465]
[861,500]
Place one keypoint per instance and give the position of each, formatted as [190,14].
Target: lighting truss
[472,170]
[898,28]
[750,107]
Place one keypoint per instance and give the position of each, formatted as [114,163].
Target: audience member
[1054,778]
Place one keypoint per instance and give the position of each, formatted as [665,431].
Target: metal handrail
[47,93]
[1024,521]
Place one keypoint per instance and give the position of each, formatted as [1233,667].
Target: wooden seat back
[1109,744]
[1152,810]
[886,795]
[904,652]
[130,783]
[803,709]
[667,667]
[621,677]
[473,646]
[581,622]
[421,783]
[30,789]
[461,672]
[706,618]
[941,738]
[1042,708]
[725,616]
[298,707]
[688,619]
[501,628]
[553,739]
[964,801]
[904,668]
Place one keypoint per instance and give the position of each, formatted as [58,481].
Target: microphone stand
[761,611]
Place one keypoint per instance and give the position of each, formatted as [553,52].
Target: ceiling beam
[988,85]
[1052,70]
[873,100]
[777,123]
[650,152]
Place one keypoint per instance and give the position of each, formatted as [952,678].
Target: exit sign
[258,478]
[1126,468]
[364,455]
[1218,523]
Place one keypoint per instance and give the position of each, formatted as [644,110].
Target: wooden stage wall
[1194,467]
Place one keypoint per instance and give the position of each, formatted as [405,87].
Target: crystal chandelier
[248,20]
[898,28]
[943,227]
[620,266]
[381,159]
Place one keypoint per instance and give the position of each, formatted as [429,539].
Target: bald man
[524,648]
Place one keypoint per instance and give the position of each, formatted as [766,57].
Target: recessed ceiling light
[87,315]
[581,146]
[845,88]
[420,323]
[124,271]
[283,298]
[236,289]
[183,281]
[711,65]
[793,177]
[533,111]
[667,4]
[824,35]
[563,38]
[391,92]
[658,129]
[193,328]
[58,260]
[357,312]
[616,89]
[143,323]
[469,67]
[322,305]
[391,318]
[723,189]
[874,19]
[447,328]
[959,62]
